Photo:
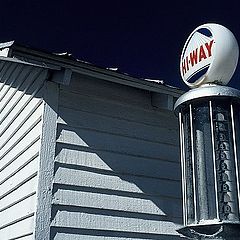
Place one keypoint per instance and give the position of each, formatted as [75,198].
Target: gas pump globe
[209,122]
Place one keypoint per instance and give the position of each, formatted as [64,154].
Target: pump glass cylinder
[210,160]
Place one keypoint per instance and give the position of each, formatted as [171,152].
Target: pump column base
[224,231]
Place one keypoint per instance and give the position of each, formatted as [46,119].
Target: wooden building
[85,152]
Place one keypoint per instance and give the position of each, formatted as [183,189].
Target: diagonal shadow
[137,168]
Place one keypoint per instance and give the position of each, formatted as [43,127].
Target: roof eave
[57,62]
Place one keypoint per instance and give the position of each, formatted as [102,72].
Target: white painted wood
[18,211]
[120,144]
[85,85]
[116,168]
[4,69]
[12,166]
[17,201]
[25,82]
[32,124]
[114,163]
[27,236]
[121,111]
[20,146]
[56,62]
[46,167]
[27,187]
[20,129]
[18,185]
[102,235]
[117,182]
[80,119]
[7,80]
[131,204]
[20,228]
[23,126]
[29,114]
[12,156]
[12,89]
[118,163]
[29,167]
[24,112]
[28,170]
[85,220]
[22,98]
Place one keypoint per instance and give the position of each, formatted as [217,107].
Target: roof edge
[56,61]
[6,44]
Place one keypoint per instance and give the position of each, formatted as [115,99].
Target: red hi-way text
[196,56]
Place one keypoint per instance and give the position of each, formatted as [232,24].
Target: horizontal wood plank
[5,66]
[120,144]
[92,87]
[118,163]
[19,228]
[11,88]
[134,184]
[120,111]
[17,211]
[24,120]
[6,78]
[155,206]
[21,133]
[122,127]
[80,234]
[22,97]
[85,220]
[27,187]
[30,154]
[25,236]
[28,170]
[21,109]
[19,147]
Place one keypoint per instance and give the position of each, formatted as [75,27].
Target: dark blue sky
[141,38]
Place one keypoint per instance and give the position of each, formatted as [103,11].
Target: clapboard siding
[20,136]
[79,234]
[126,111]
[116,182]
[19,229]
[117,172]
[117,126]
[86,85]
[101,220]
[19,160]
[8,71]
[19,146]
[21,108]
[19,176]
[116,200]
[107,142]
[94,159]
[20,100]
[18,211]
[19,192]
[9,91]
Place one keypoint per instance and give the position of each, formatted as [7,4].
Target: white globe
[209,56]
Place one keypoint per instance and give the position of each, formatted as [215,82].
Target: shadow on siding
[102,152]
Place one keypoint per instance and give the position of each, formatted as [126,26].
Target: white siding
[117,171]
[21,107]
